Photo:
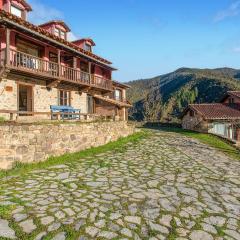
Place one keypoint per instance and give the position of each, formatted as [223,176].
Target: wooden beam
[85,89]
[53,83]
[7,58]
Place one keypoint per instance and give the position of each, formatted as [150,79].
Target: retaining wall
[37,142]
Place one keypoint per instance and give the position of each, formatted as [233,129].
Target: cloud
[236,49]
[232,11]
[42,13]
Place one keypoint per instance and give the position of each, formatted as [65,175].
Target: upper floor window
[16,11]
[117,95]
[87,47]
[58,32]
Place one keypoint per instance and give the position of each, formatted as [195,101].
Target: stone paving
[164,187]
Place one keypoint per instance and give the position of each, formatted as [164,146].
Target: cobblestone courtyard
[164,187]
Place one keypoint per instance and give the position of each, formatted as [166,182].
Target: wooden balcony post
[89,71]
[74,62]
[124,114]
[7,58]
[59,63]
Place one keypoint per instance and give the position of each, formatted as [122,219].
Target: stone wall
[31,142]
[195,123]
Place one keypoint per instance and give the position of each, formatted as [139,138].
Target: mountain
[164,97]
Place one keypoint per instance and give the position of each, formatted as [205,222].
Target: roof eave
[122,84]
[54,41]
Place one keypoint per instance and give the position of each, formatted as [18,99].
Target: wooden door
[25,98]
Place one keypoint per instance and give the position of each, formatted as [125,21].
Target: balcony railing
[101,82]
[75,75]
[31,64]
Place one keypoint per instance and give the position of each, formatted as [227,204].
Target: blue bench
[65,112]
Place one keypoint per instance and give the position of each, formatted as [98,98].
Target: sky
[147,38]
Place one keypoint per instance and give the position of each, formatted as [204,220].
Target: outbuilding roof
[112,101]
[215,111]
[232,94]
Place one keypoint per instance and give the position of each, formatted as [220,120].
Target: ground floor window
[64,98]
[227,130]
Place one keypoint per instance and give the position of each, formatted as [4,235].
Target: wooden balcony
[28,64]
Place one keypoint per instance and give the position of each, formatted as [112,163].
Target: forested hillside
[164,97]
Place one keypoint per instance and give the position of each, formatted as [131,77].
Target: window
[58,32]
[87,47]
[117,95]
[53,57]
[64,98]
[16,11]
[231,100]
[191,113]
[62,35]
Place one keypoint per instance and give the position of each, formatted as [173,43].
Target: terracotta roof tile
[85,39]
[42,31]
[216,111]
[25,4]
[112,101]
[234,93]
[56,22]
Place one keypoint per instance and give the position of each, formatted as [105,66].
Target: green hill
[163,98]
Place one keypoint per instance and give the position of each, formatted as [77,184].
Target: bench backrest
[61,108]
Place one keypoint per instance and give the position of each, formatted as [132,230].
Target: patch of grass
[220,231]
[119,145]
[2,119]
[5,211]
[211,140]
[173,233]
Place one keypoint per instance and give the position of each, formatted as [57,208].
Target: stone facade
[31,142]
[195,123]
[42,97]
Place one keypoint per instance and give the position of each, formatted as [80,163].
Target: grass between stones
[119,146]
[5,211]
[2,119]
[211,140]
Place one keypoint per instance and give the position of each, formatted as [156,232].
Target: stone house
[40,67]
[221,119]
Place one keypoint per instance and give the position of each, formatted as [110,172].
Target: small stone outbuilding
[221,119]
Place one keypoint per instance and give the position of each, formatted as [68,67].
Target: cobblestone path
[164,187]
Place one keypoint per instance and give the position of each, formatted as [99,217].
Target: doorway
[90,104]
[25,98]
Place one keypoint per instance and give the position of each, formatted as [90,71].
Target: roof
[112,101]
[56,22]
[12,19]
[234,93]
[25,4]
[83,40]
[215,111]
[121,84]
[231,93]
